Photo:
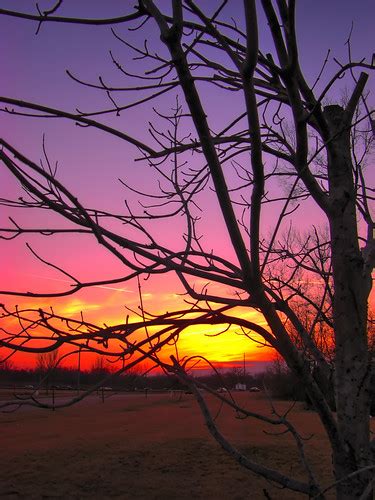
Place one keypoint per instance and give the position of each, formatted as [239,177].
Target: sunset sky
[90,163]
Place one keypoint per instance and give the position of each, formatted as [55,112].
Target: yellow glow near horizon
[108,306]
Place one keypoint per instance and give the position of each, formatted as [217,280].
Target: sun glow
[220,344]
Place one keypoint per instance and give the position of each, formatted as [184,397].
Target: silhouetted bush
[282,383]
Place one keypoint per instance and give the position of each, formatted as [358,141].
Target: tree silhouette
[282,149]
[45,364]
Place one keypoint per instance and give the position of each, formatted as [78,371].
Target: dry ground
[133,447]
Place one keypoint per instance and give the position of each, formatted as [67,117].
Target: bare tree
[46,363]
[279,129]
[47,360]
[99,365]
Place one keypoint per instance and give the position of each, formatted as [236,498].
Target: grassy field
[133,447]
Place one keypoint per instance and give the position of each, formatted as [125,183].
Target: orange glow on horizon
[107,307]
[111,306]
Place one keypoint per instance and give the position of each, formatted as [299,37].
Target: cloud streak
[105,287]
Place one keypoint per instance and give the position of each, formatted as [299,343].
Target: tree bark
[351,289]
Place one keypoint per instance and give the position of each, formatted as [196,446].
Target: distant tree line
[46,375]
[277,381]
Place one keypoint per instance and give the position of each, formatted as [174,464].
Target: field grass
[133,447]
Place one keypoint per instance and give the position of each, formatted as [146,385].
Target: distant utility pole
[79,372]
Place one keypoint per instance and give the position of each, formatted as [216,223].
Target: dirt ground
[133,447]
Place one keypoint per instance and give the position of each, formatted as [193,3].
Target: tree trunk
[351,289]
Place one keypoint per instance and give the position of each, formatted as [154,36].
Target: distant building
[240,387]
